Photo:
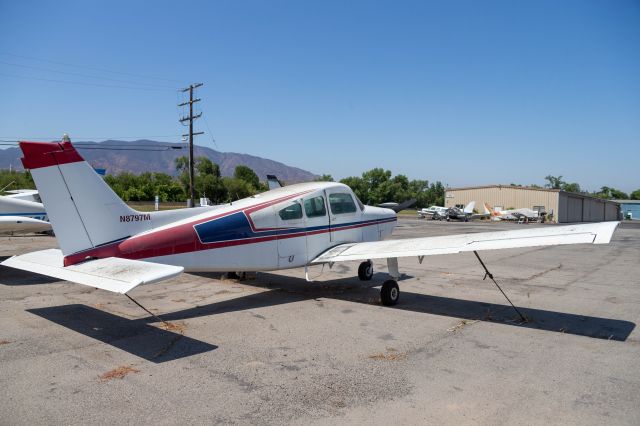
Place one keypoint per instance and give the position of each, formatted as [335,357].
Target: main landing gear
[390,292]
[365,271]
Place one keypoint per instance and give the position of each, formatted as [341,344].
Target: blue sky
[465,92]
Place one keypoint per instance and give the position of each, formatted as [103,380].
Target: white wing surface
[591,233]
[112,273]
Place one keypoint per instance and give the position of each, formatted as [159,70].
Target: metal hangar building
[560,206]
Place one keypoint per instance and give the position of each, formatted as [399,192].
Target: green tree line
[377,186]
[372,187]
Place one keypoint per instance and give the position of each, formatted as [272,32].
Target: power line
[84,75]
[204,117]
[87,84]
[168,148]
[89,68]
[90,137]
[80,145]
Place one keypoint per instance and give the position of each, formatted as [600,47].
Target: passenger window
[314,207]
[292,211]
[341,203]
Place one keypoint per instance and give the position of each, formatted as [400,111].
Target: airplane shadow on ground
[157,345]
[134,336]
[352,290]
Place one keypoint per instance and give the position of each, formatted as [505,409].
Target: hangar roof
[503,186]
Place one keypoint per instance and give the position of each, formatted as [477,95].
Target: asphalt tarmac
[275,349]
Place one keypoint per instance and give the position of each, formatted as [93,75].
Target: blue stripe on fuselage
[236,227]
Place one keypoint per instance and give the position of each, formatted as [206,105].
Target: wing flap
[591,233]
[112,274]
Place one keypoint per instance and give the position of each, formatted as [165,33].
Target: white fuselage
[278,229]
[21,216]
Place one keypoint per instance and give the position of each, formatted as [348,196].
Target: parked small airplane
[433,212]
[24,194]
[21,214]
[466,214]
[106,244]
[513,214]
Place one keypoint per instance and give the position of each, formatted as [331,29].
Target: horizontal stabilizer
[591,233]
[112,273]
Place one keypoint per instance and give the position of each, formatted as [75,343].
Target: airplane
[466,214]
[106,244]
[24,194]
[433,212]
[513,214]
[20,213]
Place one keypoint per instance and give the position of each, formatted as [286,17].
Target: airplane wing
[592,233]
[10,225]
[111,273]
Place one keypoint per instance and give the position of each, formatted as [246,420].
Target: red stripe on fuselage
[175,240]
[157,244]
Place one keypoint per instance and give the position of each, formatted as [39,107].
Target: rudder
[83,210]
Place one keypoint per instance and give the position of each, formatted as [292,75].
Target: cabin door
[291,235]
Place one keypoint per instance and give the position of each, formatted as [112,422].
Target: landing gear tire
[389,293]
[365,271]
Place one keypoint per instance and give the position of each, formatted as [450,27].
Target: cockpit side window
[292,211]
[360,203]
[314,207]
[341,203]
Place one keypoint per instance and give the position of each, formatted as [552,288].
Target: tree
[324,178]
[618,195]
[204,167]
[377,186]
[570,187]
[608,193]
[16,180]
[358,186]
[248,175]
[635,195]
[555,182]
[212,187]
[237,188]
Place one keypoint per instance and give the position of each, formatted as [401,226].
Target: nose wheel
[365,270]
[389,293]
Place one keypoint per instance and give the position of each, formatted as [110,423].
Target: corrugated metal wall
[566,207]
[612,211]
[503,196]
[577,208]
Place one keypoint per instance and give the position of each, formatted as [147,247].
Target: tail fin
[83,210]
[490,209]
[273,182]
[469,207]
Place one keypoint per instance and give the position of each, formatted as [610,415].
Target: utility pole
[191,134]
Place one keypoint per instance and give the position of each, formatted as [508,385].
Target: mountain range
[153,156]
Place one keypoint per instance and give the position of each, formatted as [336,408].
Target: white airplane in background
[24,194]
[21,213]
[106,244]
[512,214]
[433,212]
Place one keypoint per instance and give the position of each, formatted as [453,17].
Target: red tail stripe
[46,154]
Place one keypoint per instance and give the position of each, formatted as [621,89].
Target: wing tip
[605,231]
